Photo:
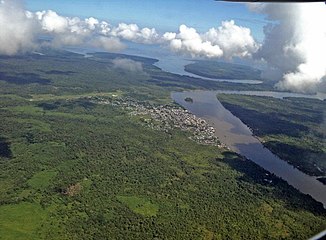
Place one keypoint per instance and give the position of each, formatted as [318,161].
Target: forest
[223,70]
[292,128]
[74,169]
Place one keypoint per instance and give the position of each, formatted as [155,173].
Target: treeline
[200,191]
[292,128]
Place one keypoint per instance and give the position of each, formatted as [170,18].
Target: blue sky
[165,15]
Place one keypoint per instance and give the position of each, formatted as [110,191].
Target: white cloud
[223,41]
[294,46]
[17,28]
[133,33]
[235,41]
[108,43]
[169,36]
[228,41]
[127,65]
[104,28]
[52,22]
[188,41]
[74,31]
[91,22]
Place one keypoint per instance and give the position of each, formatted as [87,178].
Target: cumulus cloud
[127,65]
[133,33]
[75,31]
[294,47]
[65,30]
[17,28]
[52,22]
[190,42]
[228,41]
[108,43]
[235,41]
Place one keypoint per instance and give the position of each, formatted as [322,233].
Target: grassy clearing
[41,180]
[21,221]
[139,205]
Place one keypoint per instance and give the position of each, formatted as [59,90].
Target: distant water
[176,65]
[166,61]
[280,95]
[238,137]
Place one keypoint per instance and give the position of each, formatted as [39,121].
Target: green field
[74,169]
[21,221]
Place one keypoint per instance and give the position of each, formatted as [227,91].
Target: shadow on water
[24,78]
[271,185]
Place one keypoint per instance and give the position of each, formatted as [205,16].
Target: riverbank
[236,135]
[291,128]
[166,118]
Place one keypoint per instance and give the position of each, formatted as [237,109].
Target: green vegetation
[139,205]
[213,69]
[41,180]
[21,221]
[73,169]
[292,128]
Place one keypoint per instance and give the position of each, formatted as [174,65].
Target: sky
[287,38]
[165,15]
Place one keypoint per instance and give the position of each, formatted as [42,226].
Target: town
[166,118]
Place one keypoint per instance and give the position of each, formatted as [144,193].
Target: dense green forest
[292,128]
[223,70]
[74,169]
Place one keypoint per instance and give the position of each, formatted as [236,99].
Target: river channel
[238,137]
[177,65]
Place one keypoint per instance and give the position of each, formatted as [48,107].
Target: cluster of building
[166,118]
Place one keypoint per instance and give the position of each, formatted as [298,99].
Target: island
[223,70]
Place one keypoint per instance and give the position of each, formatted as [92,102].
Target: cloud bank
[227,41]
[295,46]
[17,29]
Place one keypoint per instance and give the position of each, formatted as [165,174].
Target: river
[176,65]
[235,134]
[239,138]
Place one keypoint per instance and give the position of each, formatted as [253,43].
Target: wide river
[239,138]
[177,65]
[235,134]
